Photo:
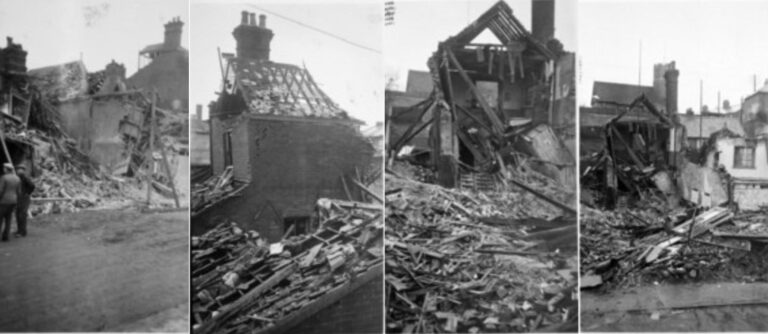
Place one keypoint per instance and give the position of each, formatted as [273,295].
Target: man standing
[9,194]
[22,206]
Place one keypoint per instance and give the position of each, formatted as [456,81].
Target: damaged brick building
[165,67]
[282,153]
[15,103]
[492,101]
[631,138]
[286,142]
[95,109]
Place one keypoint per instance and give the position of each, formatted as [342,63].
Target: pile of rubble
[459,261]
[242,283]
[213,190]
[637,245]
[67,180]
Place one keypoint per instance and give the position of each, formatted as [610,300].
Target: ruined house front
[95,109]
[487,93]
[288,143]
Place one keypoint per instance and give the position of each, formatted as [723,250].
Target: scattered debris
[464,262]
[242,283]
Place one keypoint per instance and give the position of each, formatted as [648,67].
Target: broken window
[227,148]
[296,225]
[744,157]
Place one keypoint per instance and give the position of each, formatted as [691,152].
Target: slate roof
[623,93]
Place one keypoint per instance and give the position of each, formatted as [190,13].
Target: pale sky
[349,75]
[55,32]
[420,25]
[719,42]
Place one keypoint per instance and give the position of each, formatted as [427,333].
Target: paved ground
[97,271]
[659,309]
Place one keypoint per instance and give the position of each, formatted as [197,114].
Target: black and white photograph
[481,232]
[94,194]
[674,173]
[287,155]
[383,166]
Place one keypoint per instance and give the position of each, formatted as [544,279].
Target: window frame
[740,163]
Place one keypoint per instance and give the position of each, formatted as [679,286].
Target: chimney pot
[199,111]
[262,21]
[253,41]
[252,20]
[244,18]
[173,30]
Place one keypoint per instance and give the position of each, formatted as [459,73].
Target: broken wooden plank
[544,197]
[234,309]
[368,191]
[496,123]
[740,236]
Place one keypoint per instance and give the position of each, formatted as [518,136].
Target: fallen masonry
[462,261]
[243,284]
[642,245]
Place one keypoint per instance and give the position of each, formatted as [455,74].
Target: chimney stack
[253,40]
[13,57]
[543,20]
[671,78]
[659,83]
[173,33]
[114,78]
[244,18]
[199,112]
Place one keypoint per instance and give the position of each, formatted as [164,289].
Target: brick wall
[360,311]
[238,127]
[291,162]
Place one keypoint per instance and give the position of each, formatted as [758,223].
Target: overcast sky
[55,32]
[719,42]
[420,25]
[349,75]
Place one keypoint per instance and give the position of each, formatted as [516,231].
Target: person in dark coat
[22,206]
[10,185]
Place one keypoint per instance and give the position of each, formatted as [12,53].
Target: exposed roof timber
[295,84]
[500,20]
[644,101]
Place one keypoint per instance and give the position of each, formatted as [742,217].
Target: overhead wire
[324,32]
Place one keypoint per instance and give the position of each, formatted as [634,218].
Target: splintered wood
[639,245]
[243,284]
[464,262]
[213,190]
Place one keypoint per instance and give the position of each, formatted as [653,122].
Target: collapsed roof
[281,89]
